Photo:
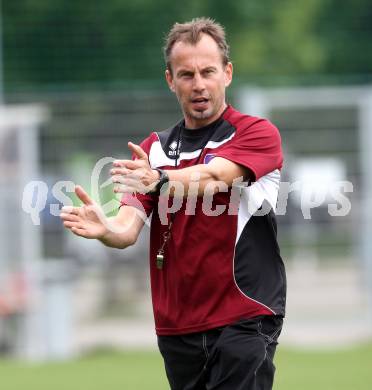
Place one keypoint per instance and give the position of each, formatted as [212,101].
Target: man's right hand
[86,221]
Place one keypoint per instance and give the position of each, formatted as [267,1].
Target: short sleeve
[256,147]
[142,202]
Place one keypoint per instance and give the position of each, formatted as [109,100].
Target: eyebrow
[186,71]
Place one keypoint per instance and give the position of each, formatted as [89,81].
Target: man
[218,282]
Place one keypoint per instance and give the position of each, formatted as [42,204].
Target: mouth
[199,100]
[200,103]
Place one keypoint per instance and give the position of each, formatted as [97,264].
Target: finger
[83,196]
[124,189]
[134,181]
[120,163]
[131,180]
[127,165]
[120,171]
[69,217]
[80,232]
[137,151]
[70,210]
[135,165]
[71,224]
[119,179]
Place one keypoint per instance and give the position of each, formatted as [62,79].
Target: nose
[198,85]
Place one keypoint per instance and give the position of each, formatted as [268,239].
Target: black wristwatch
[162,184]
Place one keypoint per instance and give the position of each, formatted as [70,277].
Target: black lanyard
[166,235]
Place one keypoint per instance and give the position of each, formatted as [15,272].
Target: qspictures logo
[334,198]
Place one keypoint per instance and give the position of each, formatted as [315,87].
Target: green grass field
[349,369]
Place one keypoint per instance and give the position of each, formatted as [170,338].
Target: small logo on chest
[173,148]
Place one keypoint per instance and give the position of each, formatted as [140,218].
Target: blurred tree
[346,31]
[76,42]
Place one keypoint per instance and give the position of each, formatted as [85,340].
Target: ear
[169,78]
[228,74]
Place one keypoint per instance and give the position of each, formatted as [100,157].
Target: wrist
[104,236]
[156,175]
[161,181]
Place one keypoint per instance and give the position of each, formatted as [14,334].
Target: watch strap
[162,184]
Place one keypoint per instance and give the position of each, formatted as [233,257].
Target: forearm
[194,179]
[218,175]
[137,176]
[123,229]
[117,235]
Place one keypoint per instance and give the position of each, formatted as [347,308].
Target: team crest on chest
[208,157]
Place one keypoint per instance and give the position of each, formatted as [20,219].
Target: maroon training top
[222,261]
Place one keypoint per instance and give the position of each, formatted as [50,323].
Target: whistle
[159,261]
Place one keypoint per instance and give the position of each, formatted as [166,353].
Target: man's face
[199,79]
